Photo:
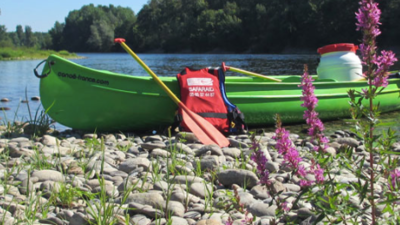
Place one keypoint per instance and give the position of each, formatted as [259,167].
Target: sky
[41,15]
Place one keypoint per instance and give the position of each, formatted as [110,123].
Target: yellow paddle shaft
[152,74]
[360,79]
[233,69]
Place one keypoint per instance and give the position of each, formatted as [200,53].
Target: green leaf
[319,218]
[389,201]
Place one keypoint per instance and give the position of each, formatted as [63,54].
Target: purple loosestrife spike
[291,157]
[285,147]
[310,101]
[259,158]
[368,17]
[319,174]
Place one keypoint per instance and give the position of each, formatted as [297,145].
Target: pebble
[156,177]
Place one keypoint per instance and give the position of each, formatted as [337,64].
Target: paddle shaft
[233,69]
[152,74]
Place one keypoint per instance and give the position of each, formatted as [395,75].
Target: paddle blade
[203,129]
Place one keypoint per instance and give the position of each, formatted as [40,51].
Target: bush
[64,53]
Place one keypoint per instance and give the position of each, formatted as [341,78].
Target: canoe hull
[88,99]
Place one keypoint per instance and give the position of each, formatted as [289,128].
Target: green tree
[92,28]
[263,26]
[30,39]
[101,36]
[20,36]
[230,28]
[333,22]
[5,40]
[390,17]
[57,38]
[44,40]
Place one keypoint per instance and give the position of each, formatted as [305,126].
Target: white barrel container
[339,62]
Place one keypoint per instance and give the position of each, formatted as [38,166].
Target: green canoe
[89,99]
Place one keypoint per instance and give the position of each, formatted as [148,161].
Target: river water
[18,83]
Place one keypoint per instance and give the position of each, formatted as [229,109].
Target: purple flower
[259,158]
[395,177]
[310,102]
[286,206]
[367,53]
[247,219]
[368,17]
[365,91]
[229,221]
[305,183]
[302,171]
[383,62]
[285,147]
[292,158]
[316,170]
[319,173]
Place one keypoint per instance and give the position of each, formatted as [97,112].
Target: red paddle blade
[203,129]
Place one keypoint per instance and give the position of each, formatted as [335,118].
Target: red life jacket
[203,92]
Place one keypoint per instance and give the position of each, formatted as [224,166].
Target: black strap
[214,115]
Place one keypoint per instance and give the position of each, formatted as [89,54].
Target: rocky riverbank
[82,178]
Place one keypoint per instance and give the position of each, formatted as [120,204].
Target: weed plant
[354,202]
[37,124]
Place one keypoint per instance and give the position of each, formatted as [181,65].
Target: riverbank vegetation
[198,26]
[25,44]
[24,53]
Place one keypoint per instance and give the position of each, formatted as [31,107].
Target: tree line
[256,26]
[24,37]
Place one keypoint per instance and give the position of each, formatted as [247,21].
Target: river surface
[18,83]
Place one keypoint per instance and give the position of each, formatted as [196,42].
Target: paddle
[233,69]
[200,127]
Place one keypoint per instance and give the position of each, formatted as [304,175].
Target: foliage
[94,28]
[258,26]
[30,53]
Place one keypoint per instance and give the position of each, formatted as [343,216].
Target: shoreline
[19,54]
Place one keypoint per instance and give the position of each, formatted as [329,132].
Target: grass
[24,53]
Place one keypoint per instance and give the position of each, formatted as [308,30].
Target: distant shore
[9,54]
